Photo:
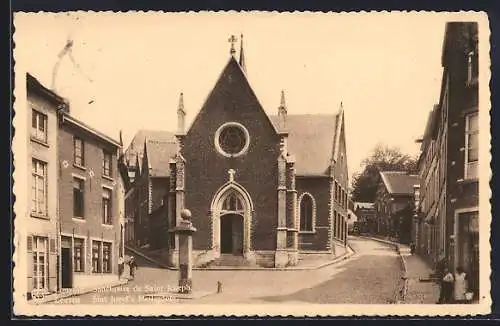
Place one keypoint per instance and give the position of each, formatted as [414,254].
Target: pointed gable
[339,134]
[231,76]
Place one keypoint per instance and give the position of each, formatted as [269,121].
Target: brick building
[145,170]
[429,229]
[90,205]
[394,204]
[257,189]
[450,145]
[41,216]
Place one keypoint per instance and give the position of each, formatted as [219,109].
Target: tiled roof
[161,146]
[310,141]
[399,182]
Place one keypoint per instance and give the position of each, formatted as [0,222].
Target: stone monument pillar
[185,231]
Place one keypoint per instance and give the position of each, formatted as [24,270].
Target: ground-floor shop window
[78,255]
[101,257]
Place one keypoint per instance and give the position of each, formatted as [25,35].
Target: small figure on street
[447,286]
[440,272]
[412,248]
[460,288]
[132,266]
[121,266]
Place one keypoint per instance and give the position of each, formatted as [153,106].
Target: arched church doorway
[231,224]
[231,213]
[231,233]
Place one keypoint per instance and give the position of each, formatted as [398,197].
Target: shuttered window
[40,266]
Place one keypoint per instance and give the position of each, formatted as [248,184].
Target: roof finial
[282,102]
[121,145]
[232,40]
[242,55]
[282,111]
[181,102]
[181,115]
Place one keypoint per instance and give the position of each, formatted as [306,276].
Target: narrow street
[372,275]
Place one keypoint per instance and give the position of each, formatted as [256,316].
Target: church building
[266,190]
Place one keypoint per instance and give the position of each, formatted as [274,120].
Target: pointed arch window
[307,211]
[232,203]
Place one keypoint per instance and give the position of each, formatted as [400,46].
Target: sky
[129,69]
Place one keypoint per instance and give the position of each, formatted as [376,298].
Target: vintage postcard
[251,164]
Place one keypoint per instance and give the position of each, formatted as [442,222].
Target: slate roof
[161,146]
[398,182]
[159,154]
[311,140]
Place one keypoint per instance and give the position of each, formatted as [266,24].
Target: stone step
[229,260]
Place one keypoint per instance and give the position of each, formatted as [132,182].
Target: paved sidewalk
[415,268]
[307,264]
[420,292]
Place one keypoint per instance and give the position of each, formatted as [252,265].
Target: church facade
[267,189]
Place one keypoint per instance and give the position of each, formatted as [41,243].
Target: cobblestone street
[372,275]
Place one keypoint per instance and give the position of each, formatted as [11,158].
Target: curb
[348,254]
[59,296]
[397,246]
[154,261]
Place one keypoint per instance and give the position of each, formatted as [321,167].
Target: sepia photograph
[251,163]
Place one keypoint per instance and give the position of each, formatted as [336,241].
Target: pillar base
[250,257]
[280,258]
[293,257]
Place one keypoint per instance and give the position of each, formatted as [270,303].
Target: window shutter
[30,243]
[52,245]
[29,264]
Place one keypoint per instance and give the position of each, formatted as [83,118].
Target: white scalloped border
[21,307]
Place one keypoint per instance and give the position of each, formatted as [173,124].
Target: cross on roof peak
[232,39]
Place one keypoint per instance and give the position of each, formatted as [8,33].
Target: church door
[231,227]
